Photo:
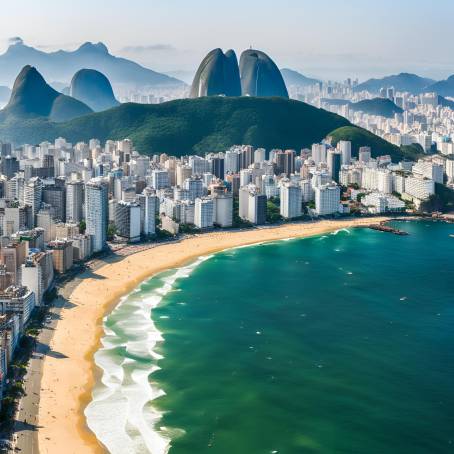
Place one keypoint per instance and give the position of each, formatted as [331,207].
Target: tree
[82,226]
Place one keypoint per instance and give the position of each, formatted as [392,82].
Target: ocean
[341,343]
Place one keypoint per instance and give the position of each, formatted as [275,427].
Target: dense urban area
[61,203]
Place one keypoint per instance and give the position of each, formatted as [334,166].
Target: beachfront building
[419,187]
[96,208]
[378,203]
[252,204]
[327,199]
[204,213]
[18,300]
[127,220]
[62,254]
[223,209]
[149,203]
[37,273]
[291,200]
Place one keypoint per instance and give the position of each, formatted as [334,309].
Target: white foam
[119,413]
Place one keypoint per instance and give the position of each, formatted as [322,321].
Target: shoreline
[69,371]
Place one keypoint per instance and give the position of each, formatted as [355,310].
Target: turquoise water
[335,344]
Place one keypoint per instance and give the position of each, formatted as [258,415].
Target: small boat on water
[452,235]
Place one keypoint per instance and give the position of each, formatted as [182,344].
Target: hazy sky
[323,38]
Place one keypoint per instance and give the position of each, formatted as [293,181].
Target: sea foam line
[118,413]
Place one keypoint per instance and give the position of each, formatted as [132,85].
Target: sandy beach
[69,372]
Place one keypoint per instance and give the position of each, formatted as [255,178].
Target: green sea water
[342,343]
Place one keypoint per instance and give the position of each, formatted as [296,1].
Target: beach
[69,372]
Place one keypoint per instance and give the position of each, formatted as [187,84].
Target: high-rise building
[96,208]
[327,199]
[345,148]
[217,167]
[246,156]
[62,254]
[364,154]
[334,164]
[33,194]
[9,165]
[291,200]
[148,209]
[37,273]
[231,161]
[194,186]
[160,179]
[127,220]
[223,209]
[252,204]
[55,195]
[183,172]
[74,201]
[204,213]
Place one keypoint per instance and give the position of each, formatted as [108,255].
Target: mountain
[260,76]
[218,74]
[93,88]
[60,66]
[377,106]
[33,97]
[401,82]
[445,102]
[295,78]
[443,88]
[191,125]
[5,94]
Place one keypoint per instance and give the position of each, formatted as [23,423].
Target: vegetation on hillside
[190,125]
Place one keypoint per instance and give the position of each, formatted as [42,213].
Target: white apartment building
[96,206]
[204,213]
[291,200]
[223,210]
[419,187]
[327,199]
[430,170]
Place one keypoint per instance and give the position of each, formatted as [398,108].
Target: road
[26,423]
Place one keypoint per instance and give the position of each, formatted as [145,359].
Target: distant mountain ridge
[443,87]
[61,65]
[401,82]
[292,77]
[33,97]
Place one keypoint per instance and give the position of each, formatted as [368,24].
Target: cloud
[149,48]
[15,40]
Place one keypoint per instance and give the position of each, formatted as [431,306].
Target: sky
[329,39]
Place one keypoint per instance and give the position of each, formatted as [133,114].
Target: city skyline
[329,40]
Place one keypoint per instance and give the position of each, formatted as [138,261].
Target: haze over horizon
[324,40]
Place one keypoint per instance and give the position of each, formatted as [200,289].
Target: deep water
[336,344]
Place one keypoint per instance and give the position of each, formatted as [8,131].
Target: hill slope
[295,78]
[361,137]
[33,97]
[401,82]
[377,106]
[443,88]
[191,125]
[61,65]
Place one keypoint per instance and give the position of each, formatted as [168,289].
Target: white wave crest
[119,414]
